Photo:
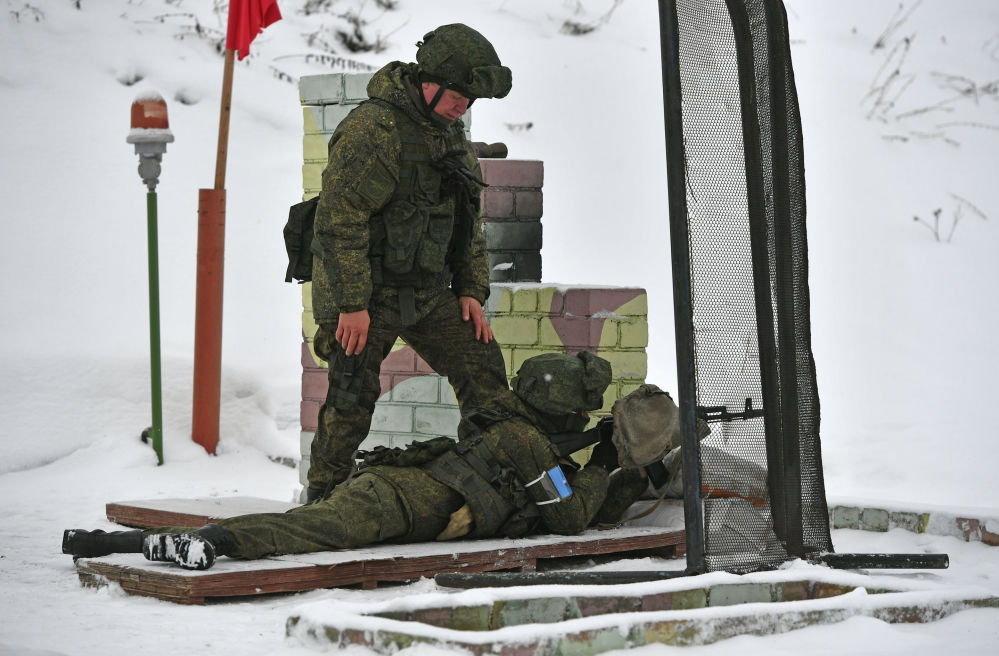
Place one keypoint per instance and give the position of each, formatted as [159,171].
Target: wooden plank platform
[148,513]
[366,567]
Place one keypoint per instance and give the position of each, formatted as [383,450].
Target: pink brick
[386,381]
[403,360]
[310,415]
[513,172]
[970,528]
[497,203]
[587,302]
[990,538]
[529,204]
[422,366]
[315,382]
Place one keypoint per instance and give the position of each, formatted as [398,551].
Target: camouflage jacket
[360,181]
[521,451]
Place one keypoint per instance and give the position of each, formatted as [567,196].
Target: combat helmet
[560,384]
[457,57]
[647,426]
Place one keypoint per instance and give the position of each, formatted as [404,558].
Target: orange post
[208,319]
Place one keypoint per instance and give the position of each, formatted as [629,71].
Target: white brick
[421,389]
[436,420]
[391,417]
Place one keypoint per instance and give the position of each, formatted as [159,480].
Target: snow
[903,310]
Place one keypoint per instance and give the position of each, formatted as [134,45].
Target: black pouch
[347,378]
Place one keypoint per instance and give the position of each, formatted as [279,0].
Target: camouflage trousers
[439,335]
[384,504]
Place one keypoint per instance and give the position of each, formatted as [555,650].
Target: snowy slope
[903,324]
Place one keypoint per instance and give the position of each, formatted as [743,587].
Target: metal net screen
[754,377]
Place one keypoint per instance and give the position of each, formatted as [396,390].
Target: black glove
[604,455]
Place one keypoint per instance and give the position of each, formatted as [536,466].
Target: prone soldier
[506,477]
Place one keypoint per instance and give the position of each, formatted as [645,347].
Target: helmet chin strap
[436,99]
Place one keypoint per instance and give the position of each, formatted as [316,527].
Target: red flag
[247,19]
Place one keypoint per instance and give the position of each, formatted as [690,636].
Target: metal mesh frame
[755,492]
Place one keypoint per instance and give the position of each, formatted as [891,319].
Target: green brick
[634,334]
[907,520]
[627,364]
[846,517]
[740,593]
[516,330]
[505,301]
[312,120]
[525,300]
[314,147]
[687,599]
[874,519]
[548,610]
[312,176]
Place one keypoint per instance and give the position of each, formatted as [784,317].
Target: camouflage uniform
[386,503]
[386,174]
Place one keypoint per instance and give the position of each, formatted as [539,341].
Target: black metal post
[683,316]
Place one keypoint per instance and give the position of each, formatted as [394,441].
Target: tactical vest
[428,221]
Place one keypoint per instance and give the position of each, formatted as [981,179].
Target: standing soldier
[399,249]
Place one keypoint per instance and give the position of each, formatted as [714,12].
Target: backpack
[298,233]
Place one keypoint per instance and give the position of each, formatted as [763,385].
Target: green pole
[156,430]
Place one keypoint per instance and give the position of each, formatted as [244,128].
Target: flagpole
[207,386]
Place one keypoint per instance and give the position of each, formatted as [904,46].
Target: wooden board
[148,513]
[366,567]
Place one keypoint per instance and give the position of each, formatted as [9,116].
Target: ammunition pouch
[346,378]
[471,470]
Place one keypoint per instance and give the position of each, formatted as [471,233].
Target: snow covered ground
[904,323]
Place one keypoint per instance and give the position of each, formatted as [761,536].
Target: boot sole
[187,550]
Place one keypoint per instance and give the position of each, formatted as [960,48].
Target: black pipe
[510,579]
[884,561]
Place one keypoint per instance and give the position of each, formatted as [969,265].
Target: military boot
[90,544]
[195,550]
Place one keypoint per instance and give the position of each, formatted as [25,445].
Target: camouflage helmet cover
[458,57]
[559,384]
[647,426]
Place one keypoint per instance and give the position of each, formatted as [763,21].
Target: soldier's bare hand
[472,309]
[352,331]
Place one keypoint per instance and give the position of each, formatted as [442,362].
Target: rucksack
[298,233]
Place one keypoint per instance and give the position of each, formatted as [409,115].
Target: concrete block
[634,333]
[874,519]
[334,114]
[905,520]
[739,593]
[355,87]
[307,300]
[845,517]
[392,417]
[513,236]
[502,266]
[419,389]
[529,204]
[497,204]
[321,89]
[376,439]
[793,591]
[513,172]
[527,267]
[436,420]
[516,330]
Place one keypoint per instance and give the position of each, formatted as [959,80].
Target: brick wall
[528,317]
